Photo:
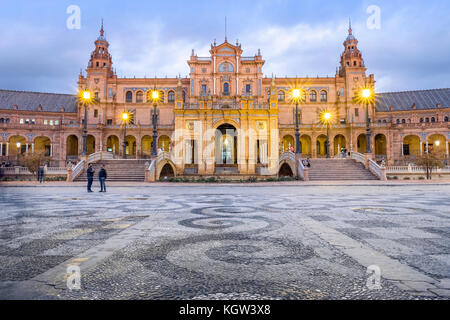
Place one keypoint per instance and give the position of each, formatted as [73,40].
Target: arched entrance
[131,146]
[166,172]
[164,143]
[285,171]
[380,145]
[42,145]
[72,146]
[17,145]
[226,145]
[321,146]
[90,144]
[146,146]
[411,146]
[437,144]
[287,143]
[113,145]
[339,143]
[305,142]
[362,145]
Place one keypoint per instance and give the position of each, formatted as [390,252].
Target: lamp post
[85,99]
[296,96]
[367,95]
[155,97]
[125,118]
[18,144]
[327,118]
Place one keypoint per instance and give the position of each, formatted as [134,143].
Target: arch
[171,96]
[287,143]
[339,143]
[285,171]
[362,143]
[164,165]
[226,140]
[42,145]
[130,148]
[306,145]
[411,146]
[164,143]
[380,145]
[321,146]
[226,67]
[281,96]
[90,144]
[139,97]
[113,145]
[72,146]
[13,150]
[167,171]
[146,145]
[323,96]
[230,122]
[313,96]
[129,97]
[437,143]
[446,119]
[184,96]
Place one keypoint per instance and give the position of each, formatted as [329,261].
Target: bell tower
[101,60]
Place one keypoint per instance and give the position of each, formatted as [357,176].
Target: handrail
[301,169]
[412,169]
[377,170]
[358,157]
[98,156]
[78,169]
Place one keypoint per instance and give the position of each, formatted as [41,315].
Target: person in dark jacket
[102,175]
[90,177]
[41,174]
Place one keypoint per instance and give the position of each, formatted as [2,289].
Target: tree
[33,161]
[430,161]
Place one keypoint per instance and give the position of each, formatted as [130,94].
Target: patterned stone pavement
[223,242]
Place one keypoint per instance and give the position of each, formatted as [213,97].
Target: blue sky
[410,51]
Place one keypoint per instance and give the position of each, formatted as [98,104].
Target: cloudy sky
[409,51]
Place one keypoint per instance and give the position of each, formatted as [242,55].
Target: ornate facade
[225,116]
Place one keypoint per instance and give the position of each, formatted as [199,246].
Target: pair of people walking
[102,176]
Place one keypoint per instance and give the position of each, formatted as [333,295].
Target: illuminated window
[323,96]
[171,96]
[313,96]
[281,96]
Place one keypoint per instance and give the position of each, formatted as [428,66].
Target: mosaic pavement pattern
[226,242]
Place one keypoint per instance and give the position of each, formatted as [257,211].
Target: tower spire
[225,28]
[102,32]
[350,31]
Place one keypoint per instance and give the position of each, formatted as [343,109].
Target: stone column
[1,149]
[7,149]
[32,147]
[446,146]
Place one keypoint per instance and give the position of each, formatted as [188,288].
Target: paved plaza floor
[226,242]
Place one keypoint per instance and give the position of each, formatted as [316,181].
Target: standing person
[90,176]
[102,176]
[41,174]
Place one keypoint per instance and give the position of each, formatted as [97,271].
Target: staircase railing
[98,156]
[303,172]
[78,169]
[150,171]
[372,166]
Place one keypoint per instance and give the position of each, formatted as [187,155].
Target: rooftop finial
[102,32]
[225,28]
[350,31]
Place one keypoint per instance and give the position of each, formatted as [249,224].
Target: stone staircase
[338,170]
[119,170]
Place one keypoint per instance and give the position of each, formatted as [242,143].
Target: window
[313,96]
[204,88]
[140,97]
[446,119]
[171,97]
[248,88]
[427,120]
[226,89]
[21,121]
[129,97]
[51,122]
[421,120]
[433,119]
[184,97]
[109,122]
[204,70]
[354,63]
[247,70]
[323,96]
[406,151]
[95,113]
[281,96]
[56,122]
[403,121]
[96,95]
[27,121]
[356,112]
[33,121]
[226,67]
[45,122]
[398,121]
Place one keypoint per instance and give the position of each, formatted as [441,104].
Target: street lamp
[155,97]
[125,119]
[85,98]
[18,144]
[366,97]
[296,97]
[327,116]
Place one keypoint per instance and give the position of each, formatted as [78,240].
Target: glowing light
[86,95]
[437,143]
[296,93]
[155,95]
[326,117]
[125,116]
[18,145]
[366,93]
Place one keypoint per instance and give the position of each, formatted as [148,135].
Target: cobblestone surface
[222,242]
